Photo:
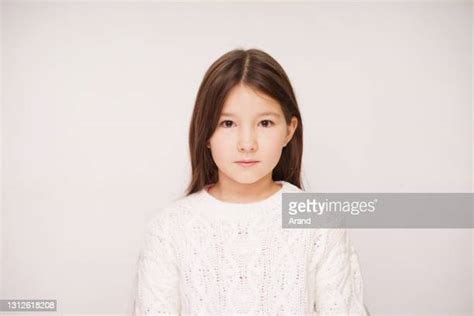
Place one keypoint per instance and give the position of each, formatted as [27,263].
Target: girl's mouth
[248,163]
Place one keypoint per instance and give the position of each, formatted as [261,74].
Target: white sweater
[209,257]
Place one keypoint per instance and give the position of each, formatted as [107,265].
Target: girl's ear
[291,129]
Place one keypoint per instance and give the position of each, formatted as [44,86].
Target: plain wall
[96,104]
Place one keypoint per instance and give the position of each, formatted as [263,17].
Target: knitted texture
[209,257]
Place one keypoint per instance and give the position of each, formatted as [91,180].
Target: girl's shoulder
[175,211]
[290,188]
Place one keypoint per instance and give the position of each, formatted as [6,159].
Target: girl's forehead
[244,100]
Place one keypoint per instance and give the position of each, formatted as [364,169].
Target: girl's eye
[227,123]
[267,123]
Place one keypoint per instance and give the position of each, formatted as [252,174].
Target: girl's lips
[246,163]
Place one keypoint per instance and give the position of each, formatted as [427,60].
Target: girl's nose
[247,141]
[247,146]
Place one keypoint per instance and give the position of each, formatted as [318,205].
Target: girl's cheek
[219,140]
[273,140]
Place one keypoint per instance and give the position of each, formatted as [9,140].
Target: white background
[96,104]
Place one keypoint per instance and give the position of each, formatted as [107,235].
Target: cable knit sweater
[209,257]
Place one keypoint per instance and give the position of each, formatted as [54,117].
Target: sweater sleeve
[339,287]
[157,278]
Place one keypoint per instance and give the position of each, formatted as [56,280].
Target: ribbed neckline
[218,209]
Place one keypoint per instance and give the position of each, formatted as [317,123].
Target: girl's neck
[234,192]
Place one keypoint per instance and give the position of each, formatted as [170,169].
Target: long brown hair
[257,70]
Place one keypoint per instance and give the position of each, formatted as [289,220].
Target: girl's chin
[247,179]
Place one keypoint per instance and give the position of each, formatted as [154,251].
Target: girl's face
[251,127]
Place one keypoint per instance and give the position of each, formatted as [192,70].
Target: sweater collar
[216,208]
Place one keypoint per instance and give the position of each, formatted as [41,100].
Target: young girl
[221,249]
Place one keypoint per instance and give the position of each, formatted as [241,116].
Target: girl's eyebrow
[259,114]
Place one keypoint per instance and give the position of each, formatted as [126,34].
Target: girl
[221,249]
